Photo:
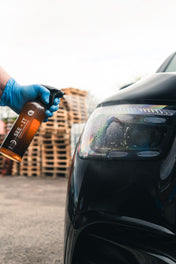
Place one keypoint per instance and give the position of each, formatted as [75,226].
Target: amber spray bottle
[27,124]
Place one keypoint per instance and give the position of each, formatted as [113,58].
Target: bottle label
[19,131]
[12,144]
[24,129]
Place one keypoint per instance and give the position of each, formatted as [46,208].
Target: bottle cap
[54,93]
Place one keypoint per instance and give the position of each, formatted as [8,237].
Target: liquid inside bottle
[21,134]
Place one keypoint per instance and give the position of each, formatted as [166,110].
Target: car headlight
[133,131]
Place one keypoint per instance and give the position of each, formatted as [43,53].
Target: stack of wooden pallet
[76,103]
[6,165]
[15,168]
[55,154]
[56,133]
[55,148]
[1,156]
[31,162]
[49,154]
[8,124]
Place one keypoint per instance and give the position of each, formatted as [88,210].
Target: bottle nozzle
[54,93]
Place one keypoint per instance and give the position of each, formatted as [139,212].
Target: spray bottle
[27,124]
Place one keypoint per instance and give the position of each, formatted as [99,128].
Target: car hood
[159,88]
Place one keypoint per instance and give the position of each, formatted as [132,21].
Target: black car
[121,199]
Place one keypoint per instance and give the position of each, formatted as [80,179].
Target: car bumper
[100,238]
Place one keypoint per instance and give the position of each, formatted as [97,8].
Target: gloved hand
[15,96]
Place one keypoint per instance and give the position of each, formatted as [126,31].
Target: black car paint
[121,211]
[156,89]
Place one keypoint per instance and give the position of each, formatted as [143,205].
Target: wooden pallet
[58,123]
[74,91]
[30,171]
[56,163]
[30,174]
[56,173]
[15,169]
[29,159]
[49,140]
[54,128]
[56,155]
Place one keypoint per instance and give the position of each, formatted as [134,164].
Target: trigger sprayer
[26,126]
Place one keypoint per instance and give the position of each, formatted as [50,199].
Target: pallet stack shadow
[49,154]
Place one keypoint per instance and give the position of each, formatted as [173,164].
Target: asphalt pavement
[32,220]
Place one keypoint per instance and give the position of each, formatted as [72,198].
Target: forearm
[15,95]
[4,77]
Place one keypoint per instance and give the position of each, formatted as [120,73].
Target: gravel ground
[32,220]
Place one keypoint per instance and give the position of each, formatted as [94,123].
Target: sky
[93,45]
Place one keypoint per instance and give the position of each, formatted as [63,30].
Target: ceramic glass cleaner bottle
[22,132]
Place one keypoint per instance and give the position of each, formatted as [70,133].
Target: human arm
[15,95]
[4,77]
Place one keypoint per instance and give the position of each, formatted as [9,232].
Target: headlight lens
[127,130]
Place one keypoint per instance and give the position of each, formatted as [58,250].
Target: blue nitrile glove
[15,96]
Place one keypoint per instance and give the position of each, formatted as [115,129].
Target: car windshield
[172,65]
